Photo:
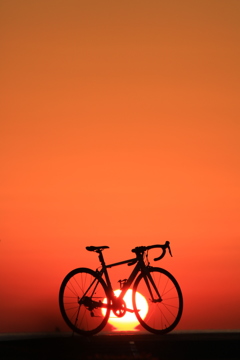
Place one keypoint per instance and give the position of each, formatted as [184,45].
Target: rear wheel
[80,299]
[165,312]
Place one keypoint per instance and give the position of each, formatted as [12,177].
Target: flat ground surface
[136,345]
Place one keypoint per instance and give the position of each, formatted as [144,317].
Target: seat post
[100,257]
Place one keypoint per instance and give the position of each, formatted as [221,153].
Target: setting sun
[128,321]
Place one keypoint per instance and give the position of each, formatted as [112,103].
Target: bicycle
[86,299]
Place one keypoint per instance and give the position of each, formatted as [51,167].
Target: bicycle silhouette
[86,299]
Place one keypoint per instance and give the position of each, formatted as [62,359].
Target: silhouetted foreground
[86,297]
[124,346]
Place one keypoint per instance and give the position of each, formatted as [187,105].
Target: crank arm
[112,307]
[130,310]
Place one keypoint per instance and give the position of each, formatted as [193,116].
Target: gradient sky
[120,127]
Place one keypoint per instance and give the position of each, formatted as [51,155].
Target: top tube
[129,262]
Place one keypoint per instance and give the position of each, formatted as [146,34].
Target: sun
[129,321]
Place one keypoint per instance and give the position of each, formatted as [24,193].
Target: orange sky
[120,127]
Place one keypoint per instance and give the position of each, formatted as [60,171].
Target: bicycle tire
[162,316]
[80,284]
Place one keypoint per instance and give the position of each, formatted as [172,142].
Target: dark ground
[176,345]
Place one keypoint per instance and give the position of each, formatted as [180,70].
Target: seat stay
[94,288]
[93,285]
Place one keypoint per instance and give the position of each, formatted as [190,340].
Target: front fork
[149,280]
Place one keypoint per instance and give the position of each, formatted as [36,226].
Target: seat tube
[101,259]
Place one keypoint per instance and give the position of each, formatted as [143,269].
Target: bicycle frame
[140,267]
[87,299]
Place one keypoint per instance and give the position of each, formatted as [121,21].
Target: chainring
[119,308]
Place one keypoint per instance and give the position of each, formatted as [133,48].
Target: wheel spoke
[85,318]
[72,288]
[166,292]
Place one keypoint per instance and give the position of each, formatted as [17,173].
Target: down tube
[130,281]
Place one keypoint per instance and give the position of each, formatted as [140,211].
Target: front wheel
[164,298]
[81,296]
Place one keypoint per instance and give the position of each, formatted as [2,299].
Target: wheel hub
[89,303]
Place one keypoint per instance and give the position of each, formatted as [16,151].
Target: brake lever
[168,247]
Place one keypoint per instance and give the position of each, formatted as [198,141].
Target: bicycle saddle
[96,248]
